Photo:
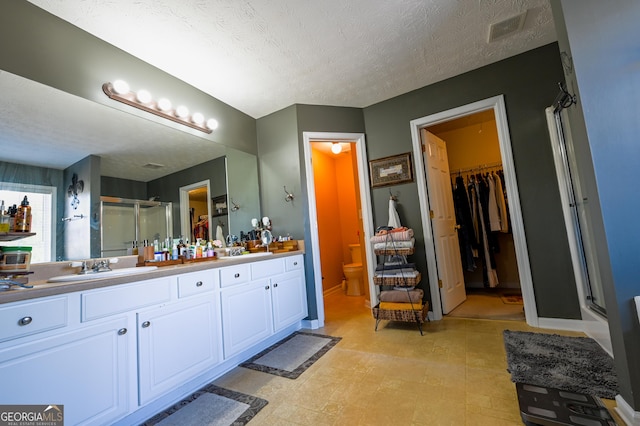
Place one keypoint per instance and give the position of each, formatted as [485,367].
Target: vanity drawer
[266,268]
[232,275]
[125,297]
[27,318]
[198,282]
[293,263]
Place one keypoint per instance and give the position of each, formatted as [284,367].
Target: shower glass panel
[125,221]
[579,205]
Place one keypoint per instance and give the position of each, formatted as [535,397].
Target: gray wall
[281,162]
[168,187]
[602,41]
[82,236]
[41,47]
[529,83]
[123,188]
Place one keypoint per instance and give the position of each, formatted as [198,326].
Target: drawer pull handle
[146,324]
[25,321]
[122,332]
[266,287]
[237,275]
[295,263]
[199,284]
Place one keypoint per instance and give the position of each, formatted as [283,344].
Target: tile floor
[453,375]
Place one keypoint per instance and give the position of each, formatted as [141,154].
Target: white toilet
[353,272]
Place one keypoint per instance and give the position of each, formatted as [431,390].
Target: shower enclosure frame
[137,204]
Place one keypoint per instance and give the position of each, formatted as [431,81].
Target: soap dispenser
[22,219]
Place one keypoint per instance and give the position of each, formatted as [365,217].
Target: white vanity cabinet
[288,295]
[273,299]
[84,368]
[246,315]
[178,341]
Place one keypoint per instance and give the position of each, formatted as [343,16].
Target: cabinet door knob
[122,332]
[266,287]
[199,284]
[237,275]
[25,321]
[295,263]
[146,324]
[275,285]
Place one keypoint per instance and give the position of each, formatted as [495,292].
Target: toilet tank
[356,256]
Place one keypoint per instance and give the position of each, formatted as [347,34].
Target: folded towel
[387,266]
[402,296]
[395,274]
[391,306]
[403,235]
[391,245]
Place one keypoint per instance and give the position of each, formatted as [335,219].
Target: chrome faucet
[101,266]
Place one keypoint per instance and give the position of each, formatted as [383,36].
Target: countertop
[43,288]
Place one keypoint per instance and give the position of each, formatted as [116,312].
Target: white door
[443,220]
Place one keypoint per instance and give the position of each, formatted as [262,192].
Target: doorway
[487,267]
[195,211]
[496,106]
[356,160]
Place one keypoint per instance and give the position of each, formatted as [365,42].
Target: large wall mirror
[139,158]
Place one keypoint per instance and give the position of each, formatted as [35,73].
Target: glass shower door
[127,221]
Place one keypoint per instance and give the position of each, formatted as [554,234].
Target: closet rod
[477,168]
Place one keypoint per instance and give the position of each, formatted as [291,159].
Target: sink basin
[243,256]
[98,275]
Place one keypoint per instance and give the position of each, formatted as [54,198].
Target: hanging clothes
[489,244]
[466,234]
[502,202]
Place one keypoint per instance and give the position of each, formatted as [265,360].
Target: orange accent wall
[329,227]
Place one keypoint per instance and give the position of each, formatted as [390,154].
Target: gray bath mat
[210,406]
[291,356]
[574,364]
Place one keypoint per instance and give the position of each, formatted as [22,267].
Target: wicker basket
[394,252]
[404,315]
[398,281]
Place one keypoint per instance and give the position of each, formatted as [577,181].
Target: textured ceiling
[259,57]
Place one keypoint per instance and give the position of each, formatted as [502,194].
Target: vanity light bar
[119,91]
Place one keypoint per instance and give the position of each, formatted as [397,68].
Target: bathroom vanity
[121,349]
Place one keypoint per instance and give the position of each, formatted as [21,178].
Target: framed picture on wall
[391,170]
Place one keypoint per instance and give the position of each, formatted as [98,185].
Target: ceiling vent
[153,166]
[507,27]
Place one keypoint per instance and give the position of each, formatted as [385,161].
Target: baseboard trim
[626,413]
[312,324]
[561,324]
[332,290]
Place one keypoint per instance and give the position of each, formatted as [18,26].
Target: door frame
[497,104]
[184,205]
[358,143]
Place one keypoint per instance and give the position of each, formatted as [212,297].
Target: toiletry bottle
[4,219]
[22,220]
[174,252]
[134,250]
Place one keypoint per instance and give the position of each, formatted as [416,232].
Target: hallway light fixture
[336,147]
[119,91]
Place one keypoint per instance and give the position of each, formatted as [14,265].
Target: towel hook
[235,206]
[392,197]
[289,197]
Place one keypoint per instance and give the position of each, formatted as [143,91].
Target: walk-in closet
[487,250]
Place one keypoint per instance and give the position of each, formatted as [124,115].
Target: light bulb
[212,123]
[120,87]
[143,96]
[182,111]
[164,104]
[336,147]
[197,118]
